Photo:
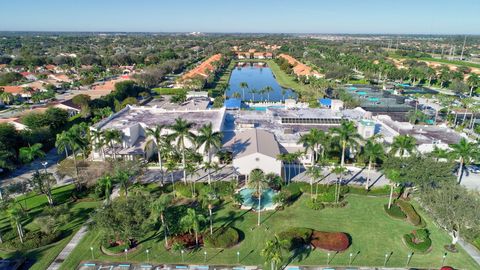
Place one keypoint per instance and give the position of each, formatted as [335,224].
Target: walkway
[471,250]
[68,249]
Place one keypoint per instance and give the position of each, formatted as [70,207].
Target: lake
[257,76]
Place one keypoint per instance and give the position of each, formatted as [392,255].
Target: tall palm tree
[465,152]
[253,92]
[440,153]
[473,81]
[283,157]
[403,144]
[156,138]
[272,252]
[62,143]
[244,86]
[171,166]
[258,182]
[159,206]
[193,222]
[372,151]
[339,171]
[123,178]
[15,215]
[182,134]
[316,141]
[236,95]
[98,138]
[268,90]
[211,141]
[28,154]
[394,176]
[106,182]
[347,136]
[315,173]
[112,136]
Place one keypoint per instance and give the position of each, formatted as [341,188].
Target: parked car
[474,168]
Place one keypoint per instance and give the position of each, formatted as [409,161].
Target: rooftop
[253,141]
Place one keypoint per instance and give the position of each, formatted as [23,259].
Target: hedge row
[221,238]
[31,240]
[296,237]
[169,91]
[395,211]
[410,212]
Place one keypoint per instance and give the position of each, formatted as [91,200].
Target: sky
[244,16]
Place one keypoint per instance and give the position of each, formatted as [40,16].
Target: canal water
[258,76]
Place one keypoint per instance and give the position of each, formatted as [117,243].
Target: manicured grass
[373,234]
[284,79]
[168,91]
[35,203]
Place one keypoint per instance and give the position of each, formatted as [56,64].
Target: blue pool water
[362,93]
[263,109]
[352,88]
[250,201]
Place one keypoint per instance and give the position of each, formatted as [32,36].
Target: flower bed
[296,237]
[410,212]
[418,241]
[222,238]
[333,241]
[395,211]
[186,240]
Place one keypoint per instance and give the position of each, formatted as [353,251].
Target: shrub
[394,211]
[168,91]
[418,240]
[224,188]
[222,238]
[31,240]
[183,190]
[383,191]
[297,188]
[282,197]
[334,241]
[296,237]
[314,204]
[412,215]
[328,196]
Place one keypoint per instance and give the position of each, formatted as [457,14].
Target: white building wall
[267,164]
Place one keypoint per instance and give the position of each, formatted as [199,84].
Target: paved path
[470,249]
[68,249]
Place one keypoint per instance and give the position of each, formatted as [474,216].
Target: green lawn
[372,231]
[43,256]
[284,79]
[437,60]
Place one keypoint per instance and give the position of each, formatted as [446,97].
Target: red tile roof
[299,68]
[204,68]
[16,89]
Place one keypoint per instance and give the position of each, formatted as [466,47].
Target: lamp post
[44,164]
[126,254]
[205,256]
[350,262]
[409,257]
[386,258]
[91,250]
[238,256]
[443,259]
[183,251]
[328,258]
[148,257]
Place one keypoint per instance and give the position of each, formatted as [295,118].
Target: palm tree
[403,144]
[159,206]
[347,136]
[181,133]
[315,140]
[284,91]
[98,139]
[171,166]
[268,89]
[211,141]
[28,154]
[111,137]
[339,171]
[258,182]
[440,153]
[284,158]
[15,215]
[372,151]
[315,173]
[465,152]
[62,143]
[394,176]
[236,95]
[473,81]
[193,222]
[272,252]
[106,183]
[6,97]
[123,178]
[253,92]
[158,140]
[244,86]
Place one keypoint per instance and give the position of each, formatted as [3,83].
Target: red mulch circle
[333,241]
[447,268]
[187,240]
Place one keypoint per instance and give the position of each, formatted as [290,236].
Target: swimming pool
[264,108]
[251,202]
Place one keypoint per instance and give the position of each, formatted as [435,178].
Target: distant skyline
[248,16]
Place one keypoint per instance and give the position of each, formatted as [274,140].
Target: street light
[205,256]
[183,251]
[443,259]
[409,257]
[91,250]
[350,263]
[386,258]
[126,254]
[44,164]
[148,257]
[238,256]
[328,258]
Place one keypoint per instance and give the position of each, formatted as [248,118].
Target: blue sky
[280,16]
